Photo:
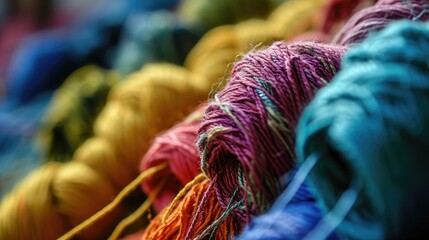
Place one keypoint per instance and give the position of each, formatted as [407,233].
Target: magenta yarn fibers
[246,138]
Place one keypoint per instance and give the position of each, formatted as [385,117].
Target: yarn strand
[298,180]
[127,190]
[216,223]
[334,218]
[138,213]
[182,193]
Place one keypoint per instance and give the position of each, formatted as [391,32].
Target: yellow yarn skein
[56,197]
[144,108]
[218,49]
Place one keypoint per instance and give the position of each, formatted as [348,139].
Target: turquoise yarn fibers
[369,131]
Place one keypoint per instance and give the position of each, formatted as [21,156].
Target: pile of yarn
[220,120]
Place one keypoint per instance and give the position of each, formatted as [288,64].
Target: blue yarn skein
[369,129]
[40,64]
[290,222]
[44,61]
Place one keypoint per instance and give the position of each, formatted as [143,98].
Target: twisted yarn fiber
[377,17]
[369,131]
[208,220]
[246,137]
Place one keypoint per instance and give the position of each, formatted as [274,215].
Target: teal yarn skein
[367,135]
[160,36]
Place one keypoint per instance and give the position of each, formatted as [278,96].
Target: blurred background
[59,59]
[41,43]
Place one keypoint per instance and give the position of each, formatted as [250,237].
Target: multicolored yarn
[246,137]
[74,108]
[176,147]
[377,17]
[209,219]
[45,60]
[366,134]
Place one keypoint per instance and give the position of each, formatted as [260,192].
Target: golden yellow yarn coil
[218,49]
[150,101]
[53,199]
[57,197]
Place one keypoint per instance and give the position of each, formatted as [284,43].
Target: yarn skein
[246,137]
[177,148]
[377,17]
[73,110]
[175,89]
[137,109]
[41,63]
[369,127]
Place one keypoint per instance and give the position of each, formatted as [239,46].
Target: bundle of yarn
[226,145]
